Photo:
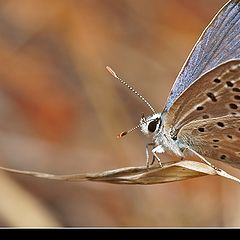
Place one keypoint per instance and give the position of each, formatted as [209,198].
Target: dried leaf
[170,172]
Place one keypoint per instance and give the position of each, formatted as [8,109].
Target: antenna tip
[111,71]
[122,134]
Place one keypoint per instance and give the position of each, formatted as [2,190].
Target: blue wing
[218,43]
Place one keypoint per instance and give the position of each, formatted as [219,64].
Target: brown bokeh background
[60,111]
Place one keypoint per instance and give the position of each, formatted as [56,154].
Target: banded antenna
[122,134]
[131,89]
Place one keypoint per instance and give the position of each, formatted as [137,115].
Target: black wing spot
[230,136]
[233,106]
[223,157]
[237,97]
[220,124]
[236,89]
[229,84]
[217,80]
[201,129]
[205,116]
[212,97]
[200,108]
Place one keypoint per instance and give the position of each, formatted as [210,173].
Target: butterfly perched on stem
[202,113]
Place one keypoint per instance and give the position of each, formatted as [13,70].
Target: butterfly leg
[203,159]
[158,149]
[154,150]
[147,154]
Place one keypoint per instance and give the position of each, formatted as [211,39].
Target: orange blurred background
[60,112]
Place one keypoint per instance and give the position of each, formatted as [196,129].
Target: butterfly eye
[152,125]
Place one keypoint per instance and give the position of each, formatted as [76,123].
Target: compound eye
[152,126]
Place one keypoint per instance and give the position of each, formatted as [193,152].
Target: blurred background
[60,112]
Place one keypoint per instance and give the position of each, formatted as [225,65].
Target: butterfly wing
[219,43]
[216,138]
[215,94]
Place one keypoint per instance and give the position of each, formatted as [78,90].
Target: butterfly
[202,113]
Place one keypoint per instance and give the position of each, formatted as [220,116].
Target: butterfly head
[150,125]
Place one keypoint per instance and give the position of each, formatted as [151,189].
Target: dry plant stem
[170,172]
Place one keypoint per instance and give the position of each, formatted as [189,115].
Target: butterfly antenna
[122,134]
[131,89]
